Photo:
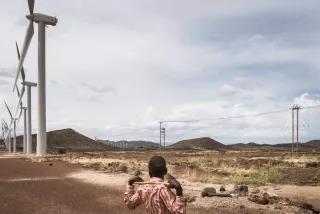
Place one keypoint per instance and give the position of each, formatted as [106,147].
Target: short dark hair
[157,167]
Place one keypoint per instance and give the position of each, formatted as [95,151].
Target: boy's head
[157,167]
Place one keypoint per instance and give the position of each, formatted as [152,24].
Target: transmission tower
[160,133]
[163,132]
[295,127]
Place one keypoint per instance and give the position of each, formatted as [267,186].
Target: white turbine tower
[24,109]
[42,21]
[29,118]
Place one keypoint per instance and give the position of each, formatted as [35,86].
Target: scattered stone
[259,198]
[240,190]
[191,199]
[137,173]
[312,165]
[61,150]
[255,191]
[208,192]
[244,188]
[222,189]
[277,207]
[273,198]
[224,195]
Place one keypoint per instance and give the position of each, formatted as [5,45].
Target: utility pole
[164,136]
[295,108]
[292,145]
[163,133]
[160,134]
[298,108]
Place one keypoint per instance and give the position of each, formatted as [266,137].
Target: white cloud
[227,90]
[307,99]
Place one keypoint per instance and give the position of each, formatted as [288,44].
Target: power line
[226,118]
[310,107]
[237,116]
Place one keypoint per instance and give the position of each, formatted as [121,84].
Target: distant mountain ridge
[136,144]
[204,143]
[68,139]
[207,143]
[314,143]
[74,141]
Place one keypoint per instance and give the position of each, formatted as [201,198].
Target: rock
[312,165]
[240,190]
[208,192]
[262,198]
[137,173]
[243,188]
[191,199]
[255,191]
[277,207]
[222,189]
[50,164]
[273,198]
[303,205]
[61,150]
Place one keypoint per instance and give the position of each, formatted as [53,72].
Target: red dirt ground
[28,187]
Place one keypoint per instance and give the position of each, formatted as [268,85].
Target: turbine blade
[5,123]
[20,101]
[31,6]
[8,109]
[18,92]
[26,44]
[22,69]
[19,116]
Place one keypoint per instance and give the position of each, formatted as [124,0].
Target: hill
[246,146]
[313,143]
[308,146]
[68,139]
[204,143]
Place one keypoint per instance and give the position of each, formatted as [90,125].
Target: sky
[115,68]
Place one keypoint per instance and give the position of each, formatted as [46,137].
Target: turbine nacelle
[38,17]
[26,83]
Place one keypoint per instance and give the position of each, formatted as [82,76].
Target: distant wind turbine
[12,122]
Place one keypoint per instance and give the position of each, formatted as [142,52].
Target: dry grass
[255,168]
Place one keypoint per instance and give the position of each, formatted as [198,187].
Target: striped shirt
[157,198]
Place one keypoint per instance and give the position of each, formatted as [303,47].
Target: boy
[156,196]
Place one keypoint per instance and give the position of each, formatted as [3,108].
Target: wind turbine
[28,120]
[42,21]
[13,122]
[5,132]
